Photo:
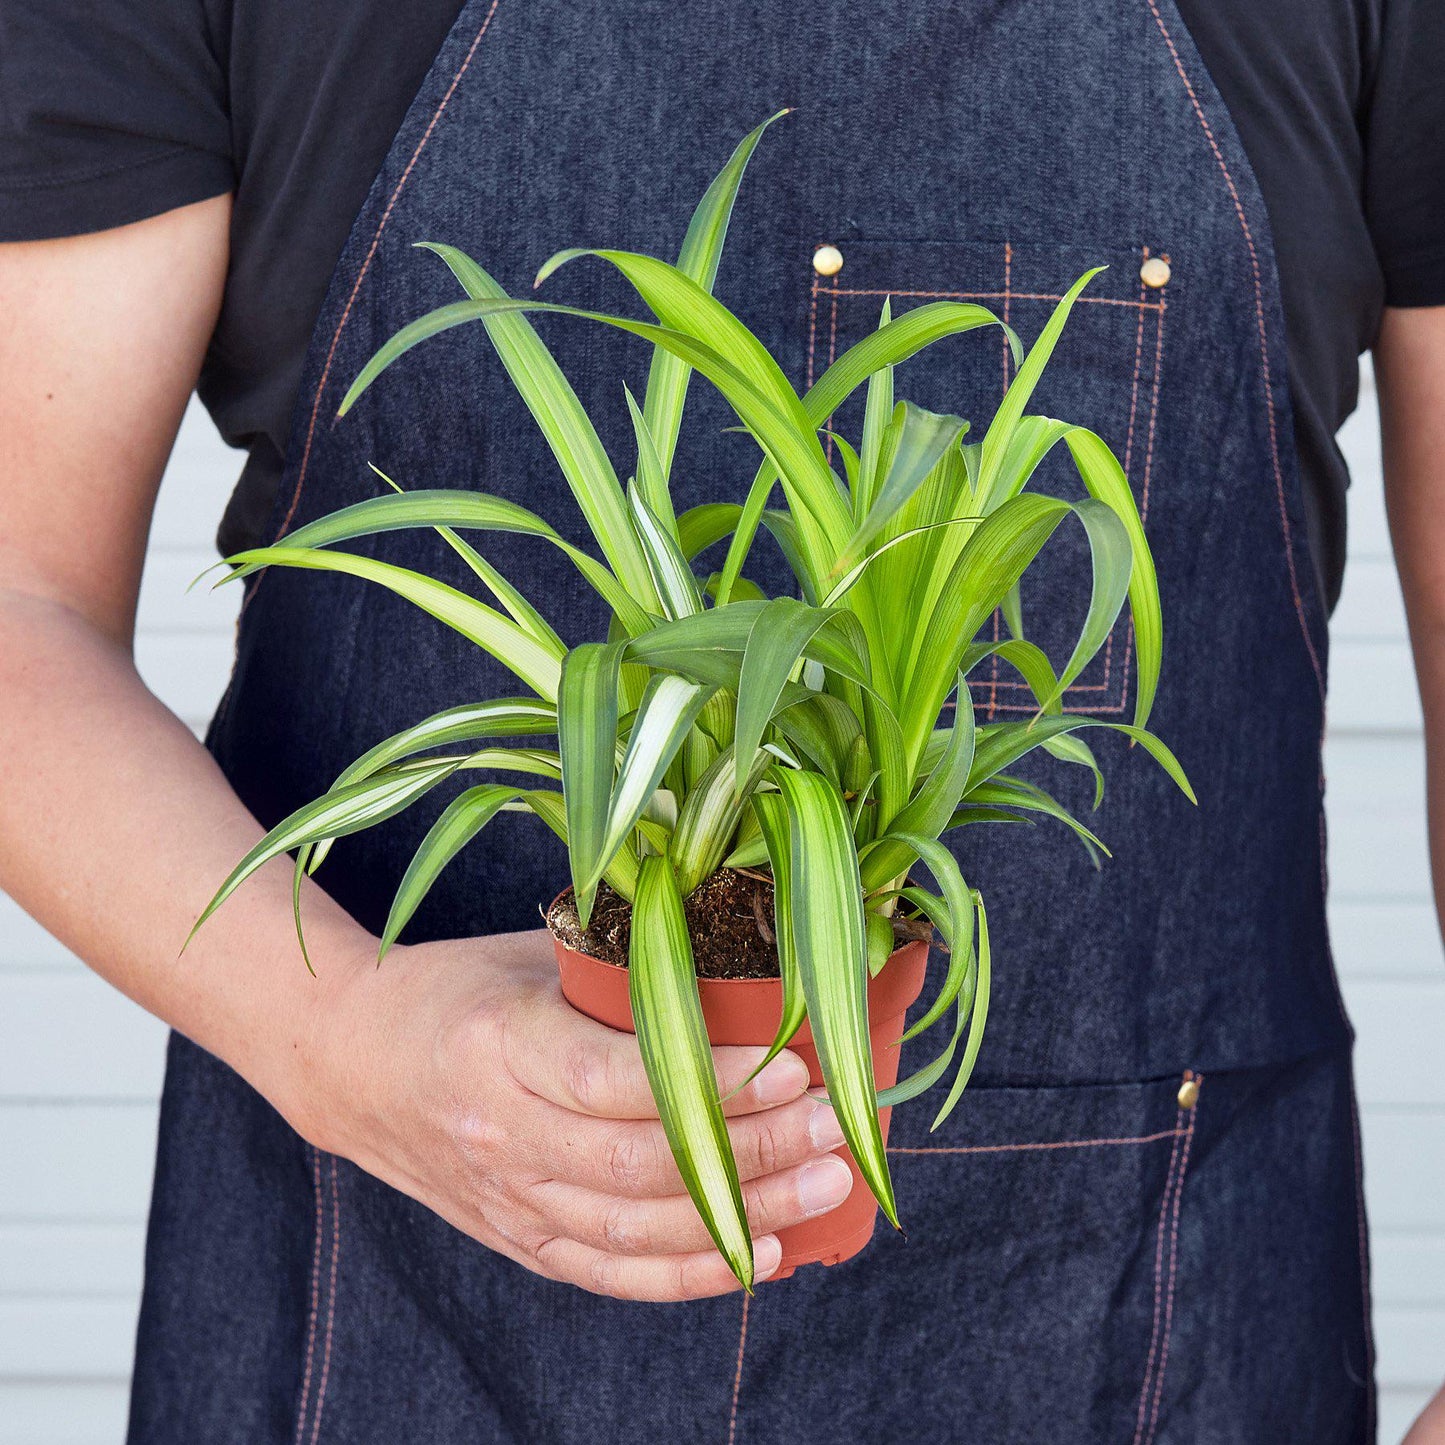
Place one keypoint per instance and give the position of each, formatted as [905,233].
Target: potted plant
[723,751]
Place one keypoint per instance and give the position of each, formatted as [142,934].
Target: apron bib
[1095,1252]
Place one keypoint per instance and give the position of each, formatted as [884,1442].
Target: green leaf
[335,815]
[1016,793]
[750,378]
[892,343]
[826,908]
[702,249]
[651,476]
[1111,561]
[991,561]
[587,740]
[462,819]
[916,443]
[977,1020]
[563,421]
[779,639]
[670,571]
[776,836]
[877,413]
[709,818]
[1000,433]
[880,942]
[669,708]
[465,511]
[958,930]
[1005,743]
[504,717]
[514,647]
[928,811]
[517,607]
[673,1039]
[1104,478]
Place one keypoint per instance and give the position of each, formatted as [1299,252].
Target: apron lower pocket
[1036,1291]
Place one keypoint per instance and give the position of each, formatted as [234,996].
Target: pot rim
[771,979]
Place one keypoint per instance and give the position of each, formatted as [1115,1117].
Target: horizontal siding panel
[1370,608]
[1409,1269]
[70,1036]
[84,1163]
[1398,1409]
[1399,1027]
[24,944]
[74,1260]
[187,671]
[169,602]
[1372,687]
[199,478]
[1393,940]
[73,1412]
[1414,1358]
[47,1339]
[1405,1171]
[1374,795]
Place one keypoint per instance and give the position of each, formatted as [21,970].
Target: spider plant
[807,734]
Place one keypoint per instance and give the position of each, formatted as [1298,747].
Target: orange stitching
[1263,346]
[738,1374]
[812,330]
[1008,270]
[1173,1263]
[1054,1144]
[330,1303]
[986,296]
[1134,392]
[1122,705]
[361,276]
[1159,1273]
[315,1295]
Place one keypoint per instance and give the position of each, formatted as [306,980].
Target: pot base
[747,1011]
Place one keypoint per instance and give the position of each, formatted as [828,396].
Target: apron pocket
[1105,374]
[1039,1275]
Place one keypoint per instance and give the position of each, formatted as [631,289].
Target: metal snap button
[1188,1092]
[827,260]
[1155,272]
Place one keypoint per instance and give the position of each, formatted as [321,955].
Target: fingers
[616,1224]
[581,1065]
[633,1157]
[657,1278]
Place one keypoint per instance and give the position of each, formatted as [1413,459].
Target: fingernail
[767,1256]
[824,1129]
[784,1079]
[823,1184]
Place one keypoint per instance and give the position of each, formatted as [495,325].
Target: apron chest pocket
[1105,375]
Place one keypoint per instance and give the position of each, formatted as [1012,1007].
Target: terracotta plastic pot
[747,1011]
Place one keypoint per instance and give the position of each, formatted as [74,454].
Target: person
[431,1199]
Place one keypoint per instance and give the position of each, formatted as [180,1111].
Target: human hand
[457,1073]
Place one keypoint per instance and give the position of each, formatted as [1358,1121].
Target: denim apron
[1143,1224]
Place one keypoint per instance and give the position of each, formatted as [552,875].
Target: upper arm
[101,340]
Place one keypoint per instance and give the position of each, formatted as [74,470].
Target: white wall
[80,1067]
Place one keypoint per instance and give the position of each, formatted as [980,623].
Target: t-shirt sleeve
[110,111]
[1405,152]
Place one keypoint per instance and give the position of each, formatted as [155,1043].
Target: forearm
[116,827]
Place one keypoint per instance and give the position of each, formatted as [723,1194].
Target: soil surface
[729,918]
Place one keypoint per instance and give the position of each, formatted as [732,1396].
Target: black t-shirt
[113,110]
